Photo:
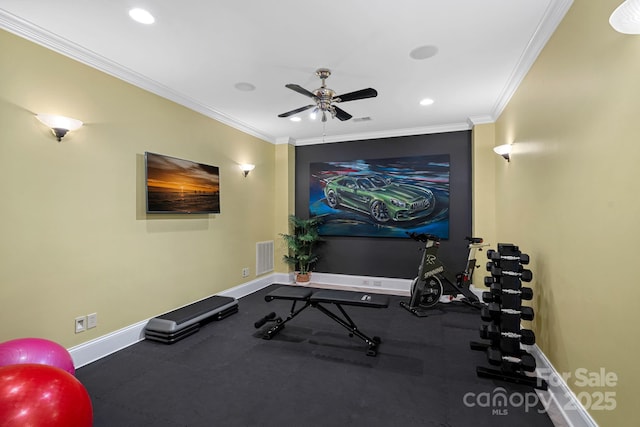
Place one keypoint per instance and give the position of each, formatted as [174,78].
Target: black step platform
[182,322]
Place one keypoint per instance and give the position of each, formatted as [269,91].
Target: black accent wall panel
[392,257]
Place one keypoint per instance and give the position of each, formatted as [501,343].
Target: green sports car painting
[379,197]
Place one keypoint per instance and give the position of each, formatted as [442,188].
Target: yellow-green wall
[285,199]
[483,194]
[74,236]
[570,199]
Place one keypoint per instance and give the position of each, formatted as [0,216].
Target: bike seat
[474,240]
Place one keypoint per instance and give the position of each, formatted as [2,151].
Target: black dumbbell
[269,317]
[493,311]
[496,256]
[488,297]
[493,333]
[524,361]
[274,329]
[487,315]
[526,313]
[524,274]
[497,271]
[524,336]
[484,332]
[504,299]
[524,292]
[527,337]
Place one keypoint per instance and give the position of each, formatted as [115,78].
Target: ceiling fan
[325,98]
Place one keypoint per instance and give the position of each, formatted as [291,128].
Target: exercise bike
[435,280]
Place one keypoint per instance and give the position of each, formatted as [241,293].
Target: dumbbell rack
[503,313]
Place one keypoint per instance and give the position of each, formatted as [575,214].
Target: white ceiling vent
[362,119]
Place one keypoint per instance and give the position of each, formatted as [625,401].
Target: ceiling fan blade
[341,114]
[300,90]
[296,111]
[358,94]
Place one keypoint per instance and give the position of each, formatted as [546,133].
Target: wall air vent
[264,257]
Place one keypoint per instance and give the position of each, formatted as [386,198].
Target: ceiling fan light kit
[324,98]
[626,18]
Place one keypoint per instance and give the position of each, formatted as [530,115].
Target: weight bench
[182,322]
[320,299]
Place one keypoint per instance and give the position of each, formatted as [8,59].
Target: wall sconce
[504,150]
[59,125]
[246,168]
[626,18]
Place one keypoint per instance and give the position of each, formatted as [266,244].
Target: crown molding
[285,140]
[449,127]
[552,18]
[480,120]
[38,35]
[554,14]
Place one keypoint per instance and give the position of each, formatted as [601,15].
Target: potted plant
[301,243]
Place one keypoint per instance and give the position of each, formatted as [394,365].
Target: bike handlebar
[422,237]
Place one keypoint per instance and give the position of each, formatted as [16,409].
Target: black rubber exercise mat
[311,374]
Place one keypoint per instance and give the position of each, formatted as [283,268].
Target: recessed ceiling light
[295,119]
[244,86]
[427,101]
[423,52]
[142,16]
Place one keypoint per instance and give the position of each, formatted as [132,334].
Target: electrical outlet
[92,320]
[81,324]
[245,272]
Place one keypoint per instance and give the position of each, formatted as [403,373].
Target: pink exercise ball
[36,350]
[43,396]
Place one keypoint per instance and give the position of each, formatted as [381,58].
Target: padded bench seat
[292,293]
[350,298]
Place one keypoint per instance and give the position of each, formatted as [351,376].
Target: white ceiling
[198,50]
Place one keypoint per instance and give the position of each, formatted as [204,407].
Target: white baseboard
[476,291]
[95,349]
[90,351]
[253,286]
[372,284]
[564,407]
[105,345]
